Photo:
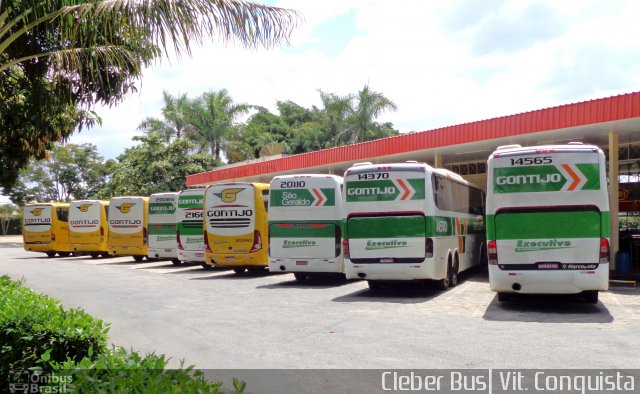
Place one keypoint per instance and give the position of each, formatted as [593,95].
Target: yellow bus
[88,227]
[45,228]
[236,228]
[128,226]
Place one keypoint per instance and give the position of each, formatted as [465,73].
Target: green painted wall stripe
[539,225]
[384,227]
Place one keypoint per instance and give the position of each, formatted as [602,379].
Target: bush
[119,371]
[39,337]
[32,324]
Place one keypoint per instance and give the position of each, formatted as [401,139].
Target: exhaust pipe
[516,286]
[282,268]
[362,275]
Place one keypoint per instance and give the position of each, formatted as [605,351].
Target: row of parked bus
[543,227]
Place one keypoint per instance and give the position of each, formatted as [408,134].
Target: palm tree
[212,119]
[173,122]
[335,111]
[60,58]
[365,107]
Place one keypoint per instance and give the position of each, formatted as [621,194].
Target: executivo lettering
[536,246]
[298,244]
[375,245]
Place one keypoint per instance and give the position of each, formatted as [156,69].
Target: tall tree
[365,107]
[153,166]
[70,172]
[335,110]
[59,58]
[212,118]
[173,123]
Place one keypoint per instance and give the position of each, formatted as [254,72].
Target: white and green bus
[190,225]
[548,220]
[409,221]
[305,225]
[162,227]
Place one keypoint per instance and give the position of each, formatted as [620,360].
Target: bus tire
[51,254]
[239,270]
[64,254]
[453,273]
[373,285]
[94,255]
[177,262]
[104,254]
[443,284]
[504,297]
[591,296]
[138,259]
[300,277]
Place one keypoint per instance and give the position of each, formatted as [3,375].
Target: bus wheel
[453,274]
[138,258]
[51,254]
[239,270]
[504,297]
[178,262]
[591,296]
[206,266]
[64,254]
[300,276]
[104,254]
[443,284]
[94,255]
[373,285]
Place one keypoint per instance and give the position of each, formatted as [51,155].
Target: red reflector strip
[512,274]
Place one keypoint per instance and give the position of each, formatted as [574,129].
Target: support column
[614,174]
[438,161]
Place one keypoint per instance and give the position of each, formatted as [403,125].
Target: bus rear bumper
[191,255]
[306,265]
[549,282]
[162,253]
[393,271]
[257,259]
[89,248]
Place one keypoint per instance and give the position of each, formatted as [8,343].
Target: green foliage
[154,167]
[70,172]
[119,371]
[32,325]
[59,59]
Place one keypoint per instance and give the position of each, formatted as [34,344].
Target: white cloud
[442,62]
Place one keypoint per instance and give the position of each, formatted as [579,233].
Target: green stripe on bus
[384,227]
[538,225]
[190,202]
[161,208]
[162,228]
[302,198]
[384,190]
[544,178]
[190,230]
[303,230]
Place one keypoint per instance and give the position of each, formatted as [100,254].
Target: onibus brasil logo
[538,246]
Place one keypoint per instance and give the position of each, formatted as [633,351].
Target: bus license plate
[386,260]
[199,254]
[167,250]
[302,262]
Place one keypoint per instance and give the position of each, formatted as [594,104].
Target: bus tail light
[257,242]
[492,252]
[345,249]
[101,232]
[178,240]
[207,248]
[53,237]
[428,248]
[604,251]
[145,236]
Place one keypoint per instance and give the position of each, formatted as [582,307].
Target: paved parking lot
[216,319]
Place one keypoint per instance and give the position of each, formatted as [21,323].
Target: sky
[443,62]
